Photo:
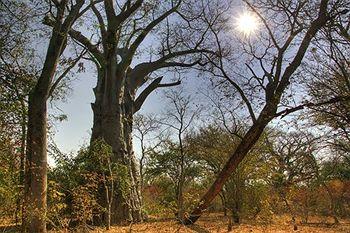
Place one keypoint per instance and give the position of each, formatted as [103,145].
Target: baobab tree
[126,31]
[274,55]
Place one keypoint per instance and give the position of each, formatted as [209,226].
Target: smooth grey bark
[36,167]
[35,194]
[113,117]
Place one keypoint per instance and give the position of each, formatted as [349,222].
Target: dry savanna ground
[219,224]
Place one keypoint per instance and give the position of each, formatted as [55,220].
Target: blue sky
[75,131]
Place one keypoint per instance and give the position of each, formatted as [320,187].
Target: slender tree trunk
[109,216]
[237,199]
[331,197]
[235,215]
[289,208]
[109,199]
[19,208]
[223,202]
[141,180]
[273,98]
[180,195]
[180,200]
[34,210]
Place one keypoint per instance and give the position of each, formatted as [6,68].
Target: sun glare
[247,23]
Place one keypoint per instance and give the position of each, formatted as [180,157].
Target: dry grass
[217,223]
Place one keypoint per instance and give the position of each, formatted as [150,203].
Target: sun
[247,23]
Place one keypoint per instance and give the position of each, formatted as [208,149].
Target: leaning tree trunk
[112,112]
[248,141]
[273,98]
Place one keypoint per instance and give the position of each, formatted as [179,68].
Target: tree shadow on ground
[9,229]
[150,220]
[197,228]
[322,224]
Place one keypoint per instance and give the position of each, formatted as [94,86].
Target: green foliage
[337,168]
[78,184]
[163,171]
[9,186]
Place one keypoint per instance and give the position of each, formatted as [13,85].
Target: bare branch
[149,89]
[64,74]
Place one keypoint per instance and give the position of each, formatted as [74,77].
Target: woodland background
[252,129]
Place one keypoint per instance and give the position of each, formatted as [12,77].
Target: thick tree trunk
[112,112]
[36,167]
[135,195]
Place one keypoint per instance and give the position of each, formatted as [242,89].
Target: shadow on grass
[150,220]
[193,227]
[197,228]
[9,229]
[319,224]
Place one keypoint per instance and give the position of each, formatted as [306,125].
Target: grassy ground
[219,224]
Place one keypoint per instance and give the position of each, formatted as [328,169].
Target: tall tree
[65,13]
[17,75]
[125,29]
[273,60]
